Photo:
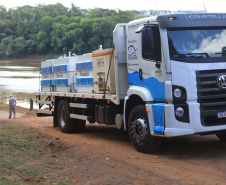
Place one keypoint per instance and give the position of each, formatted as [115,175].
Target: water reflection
[19,78]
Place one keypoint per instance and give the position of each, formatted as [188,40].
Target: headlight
[179,112]
[182,112]
[177,93]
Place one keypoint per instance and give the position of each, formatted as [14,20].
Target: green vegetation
[28,171]
[25,159]
[9,181]
[64,182]
[48,29]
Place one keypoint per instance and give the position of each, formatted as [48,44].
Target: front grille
[211,98]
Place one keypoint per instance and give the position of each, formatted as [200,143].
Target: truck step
[39,111]
[76,116]
[80,105]
[44,102]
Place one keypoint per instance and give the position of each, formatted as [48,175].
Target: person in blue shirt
[12,107]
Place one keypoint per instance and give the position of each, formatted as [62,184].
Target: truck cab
[177,67]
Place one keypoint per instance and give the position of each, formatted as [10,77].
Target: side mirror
[140,29]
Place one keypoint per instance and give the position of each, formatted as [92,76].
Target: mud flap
[158,113]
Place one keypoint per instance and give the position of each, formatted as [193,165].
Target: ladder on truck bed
[45,112]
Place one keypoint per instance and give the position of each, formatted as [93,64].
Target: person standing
[12,107]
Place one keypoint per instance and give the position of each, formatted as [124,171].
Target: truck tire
[222,136]
[65,122]
[139,131]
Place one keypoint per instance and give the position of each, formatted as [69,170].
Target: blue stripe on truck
[84,66]
[62,68]
[46,82]
[84,81]
[60,82]
[46,70]
[156,88]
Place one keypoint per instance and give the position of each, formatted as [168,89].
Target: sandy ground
[104,155]
[4,114]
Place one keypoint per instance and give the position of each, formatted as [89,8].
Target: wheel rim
[139,129]
[62,116]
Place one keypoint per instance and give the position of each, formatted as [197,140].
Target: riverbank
[21,78]
[44,57]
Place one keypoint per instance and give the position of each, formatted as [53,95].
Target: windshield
[197,45]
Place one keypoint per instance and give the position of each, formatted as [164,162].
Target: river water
[21,78]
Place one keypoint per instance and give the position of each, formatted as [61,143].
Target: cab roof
[184,20]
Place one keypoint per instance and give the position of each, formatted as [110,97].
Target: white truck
[165,77]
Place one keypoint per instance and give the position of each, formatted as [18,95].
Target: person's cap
[10,95]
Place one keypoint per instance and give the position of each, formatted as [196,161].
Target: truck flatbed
[112,97]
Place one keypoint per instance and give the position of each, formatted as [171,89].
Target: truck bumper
[174,127]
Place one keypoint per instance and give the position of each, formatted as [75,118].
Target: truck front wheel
[64,119]
[139,131]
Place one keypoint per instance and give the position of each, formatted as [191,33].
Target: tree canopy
[56,29]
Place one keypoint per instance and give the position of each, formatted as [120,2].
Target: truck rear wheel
[139,131]
[64,119]
[222,136]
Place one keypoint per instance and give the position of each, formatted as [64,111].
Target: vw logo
[221,81]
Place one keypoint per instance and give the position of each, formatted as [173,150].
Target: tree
[54,10]
[7,45]
[75,11]
[2,12]
[100,13]
[54,28]
[57,36]
[47,23]
[102,33]
[43,42]
[20,45]
[31,44]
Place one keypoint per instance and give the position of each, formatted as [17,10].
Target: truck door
[150,64]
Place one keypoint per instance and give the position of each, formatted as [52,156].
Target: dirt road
[4,114]
[104,155]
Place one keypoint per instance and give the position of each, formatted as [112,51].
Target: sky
[210,5]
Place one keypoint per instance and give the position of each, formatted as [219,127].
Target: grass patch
[9,181]
[25,156]
[8,127]
[55,167]
[18,144]
[7,164]
[28,171]
[64,182]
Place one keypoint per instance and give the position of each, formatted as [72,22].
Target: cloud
[213,45]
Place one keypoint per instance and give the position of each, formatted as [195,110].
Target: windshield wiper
[195,55]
